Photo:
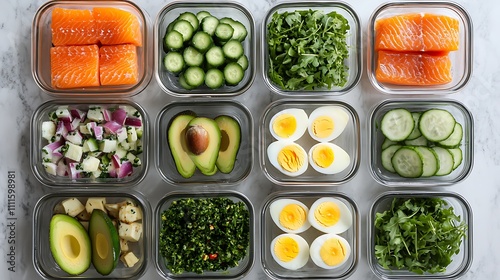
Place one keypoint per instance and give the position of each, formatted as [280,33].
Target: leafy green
[307,49]
[418,234]
[208,234]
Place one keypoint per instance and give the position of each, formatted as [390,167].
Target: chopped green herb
[418,234]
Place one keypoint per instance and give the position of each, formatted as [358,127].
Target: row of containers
[128,153]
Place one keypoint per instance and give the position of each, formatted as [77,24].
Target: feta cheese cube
[130,232]
[95,203]
[108,146]
[129,214]
[90,164]
[131,134]
[72,206]
[48,130]
[95,114]
[73,152]
[121,134]
[129,259]
[123,245]
[112,209]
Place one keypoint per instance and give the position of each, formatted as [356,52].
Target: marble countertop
[20,97]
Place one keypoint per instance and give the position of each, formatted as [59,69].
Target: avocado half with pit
[203,140]
[105,242]
[178,145]
[69,244]
[230,143]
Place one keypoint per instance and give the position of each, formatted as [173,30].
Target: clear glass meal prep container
[461,262]
[41,42]
[461,114]
[237,272]
[64,182]
[45,264]
[461,59]
[269,231]
[169,82]
[354,61]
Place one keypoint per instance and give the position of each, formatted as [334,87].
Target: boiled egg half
[330,215]
[289,124]
[327,123]
[288,157]
[290,215]
[328,158]
[291,251]
[329,251]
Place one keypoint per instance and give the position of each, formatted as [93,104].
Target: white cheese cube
[48,130]
[72,206]
[95,114]
[108,146]
[83,216]
[123,245]
[84,130]
[120,152]
[130,232]
[131,134]
[129,259]
[129,214]
[113,209]
[74,152]
[50,167]
[90,164]
[95,203]
[126,202]
[121,134]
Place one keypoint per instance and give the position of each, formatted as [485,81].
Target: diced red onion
[53,146]
[106,114]
[112,127]
[62,169]
[61,129]
[119,115]
[77,113]
[73,172]
[125,170]
[64,115]
[133,121]
[116,161]
[98,132]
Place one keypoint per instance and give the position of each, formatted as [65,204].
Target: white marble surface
[19,97]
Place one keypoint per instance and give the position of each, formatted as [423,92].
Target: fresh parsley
[308,49]
[418,234]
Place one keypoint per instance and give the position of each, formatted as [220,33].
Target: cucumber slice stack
[207,43]
[421,144]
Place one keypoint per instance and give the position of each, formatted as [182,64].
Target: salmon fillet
[417,32]
[73,27]
[118,65]
[401,68]
[74,66]
[116,26]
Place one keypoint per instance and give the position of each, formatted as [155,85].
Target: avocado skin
[61,225]
[206,160]
[231,139]
[101,223]
[177,143]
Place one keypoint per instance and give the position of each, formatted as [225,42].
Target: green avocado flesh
[205,161]
[69,244]
[177,142]
[105,242]
[230,144]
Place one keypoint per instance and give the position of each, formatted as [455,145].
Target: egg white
[340,162]
[274,149]
[300,260]
[340,119]
[302,122]
[276,208]
[314,250]
[343,224]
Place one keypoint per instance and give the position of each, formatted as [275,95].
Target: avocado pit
[197,139]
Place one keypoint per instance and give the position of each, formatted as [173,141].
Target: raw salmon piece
[73,27]
[74,66]
[118,65]
[417,32]
[413,68]
[116,26]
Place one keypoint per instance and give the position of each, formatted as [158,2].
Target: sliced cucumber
[387,143]
[214,78]
[173,41]
[185,28]
[420,141]
[191,18]
[202,41]
[407,162]
[202,14]
[174,62]
[430,161]
[195,76]
[397,124]
[233,73]
[436,124]
[209,24]
[183,83]
[240,31]
[455,138]
[386,157]
[193,57]
[415,132]
[233,49]
[446,162]
[243,62]
[224,32]
[215,56]
[457,157]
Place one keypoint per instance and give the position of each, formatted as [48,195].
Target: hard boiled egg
[330,215]
[290,215]
[288,157]
[291,251]
[327,123]
[289,124]
[328,158]
[329,251]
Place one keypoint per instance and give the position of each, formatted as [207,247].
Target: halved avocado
[230,144]
[105,242]
[177,143]
[69,244]
[203,141]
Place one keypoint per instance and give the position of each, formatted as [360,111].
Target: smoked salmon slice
[118,65]
[74,66]
[116,26]
[417,32]
[73,27]
[424,68]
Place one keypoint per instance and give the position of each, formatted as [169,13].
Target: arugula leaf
[418,234]
[308,49]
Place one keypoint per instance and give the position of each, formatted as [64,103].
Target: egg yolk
[291,158]
[323,126]
[323,156]
[286,249]
[327,213]
[285,125]
[292,216]
[332,252]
